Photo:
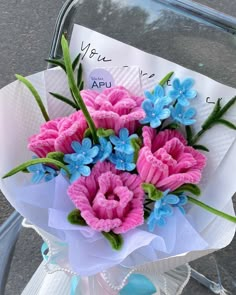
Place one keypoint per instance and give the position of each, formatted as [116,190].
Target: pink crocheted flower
[58,134]
[114,108]
[108,199]
[167,162]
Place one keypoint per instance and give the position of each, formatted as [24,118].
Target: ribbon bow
[74,280]
[139,285]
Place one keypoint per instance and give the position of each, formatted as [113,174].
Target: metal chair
[9,232]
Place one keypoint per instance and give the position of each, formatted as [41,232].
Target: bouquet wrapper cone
[20,118]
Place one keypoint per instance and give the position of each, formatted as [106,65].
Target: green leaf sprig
[215,118]
[166,79]
[36,95]
[24,166]
[75,90]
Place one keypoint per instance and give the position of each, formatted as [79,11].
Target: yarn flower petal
[182,92]
[184,117]
[109,200]
[85,149]
[123,142]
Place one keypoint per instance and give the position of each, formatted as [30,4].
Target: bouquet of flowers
[113,181]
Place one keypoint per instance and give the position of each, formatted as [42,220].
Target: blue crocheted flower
[123,142]
[105,150]
[123,161]
[182,91]
[156,112]
[85,149]
[183,200]
[185,117]
[41,172]
[158,93]
[164,208]
[77,166]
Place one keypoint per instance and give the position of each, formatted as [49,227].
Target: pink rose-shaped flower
[57,135]
[114,108]
[108,199]
[167,162]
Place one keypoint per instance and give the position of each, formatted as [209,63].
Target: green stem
[74,89]
[165,79]
[35,94]
[212,210]
[23,166]
[197,136]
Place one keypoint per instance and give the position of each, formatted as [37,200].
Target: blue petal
[161,222]
[120,165]
[179,109]
[164,101]
[114,139]
[73,157]
[190,94]
[151,222]
[187,83]
[167,210]
[144,121]
[48,177]
[188,122]
[130,166]
[67,158]
[183,101]
[85,170]
[176,84]
[157,205]
[165,113]
[76,146]
[173,94]
[86,143]
[155,122]
[189,113]
[124,134]
[75,176]
[171,199]
[182,210]
[35,167]
[50,169]
[147,105]
[102,141]
[183,200]
[149,95]
[113,158]
[37,177]
[159,91]
[93,152]
[127,148]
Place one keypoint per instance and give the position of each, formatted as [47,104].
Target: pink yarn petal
[117,202]
[166,161]
[176,180]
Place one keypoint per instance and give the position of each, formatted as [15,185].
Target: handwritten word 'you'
[87,50]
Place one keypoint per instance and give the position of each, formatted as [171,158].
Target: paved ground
[26,28]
